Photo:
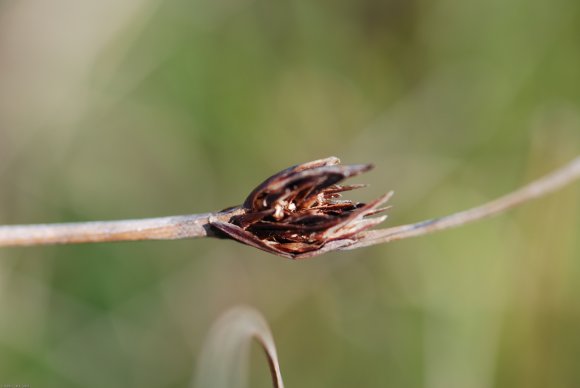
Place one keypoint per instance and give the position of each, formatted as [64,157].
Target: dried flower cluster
[298,213]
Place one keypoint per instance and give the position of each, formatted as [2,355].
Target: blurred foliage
[130,109]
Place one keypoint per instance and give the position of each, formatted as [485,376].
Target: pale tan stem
[538,188]
[162,228]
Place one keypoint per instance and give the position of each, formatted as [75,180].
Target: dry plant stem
[162,228]
[545,185]
[198,225]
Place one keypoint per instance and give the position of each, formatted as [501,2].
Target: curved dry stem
[538,188]
[223,359]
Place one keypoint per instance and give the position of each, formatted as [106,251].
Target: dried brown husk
[297,212]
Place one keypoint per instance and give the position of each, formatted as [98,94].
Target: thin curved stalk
[223,359]
[538,188]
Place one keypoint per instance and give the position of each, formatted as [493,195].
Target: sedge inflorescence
[299,212]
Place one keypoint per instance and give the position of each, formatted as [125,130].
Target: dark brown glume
[298,210]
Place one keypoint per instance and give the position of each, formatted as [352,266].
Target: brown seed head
[298,212]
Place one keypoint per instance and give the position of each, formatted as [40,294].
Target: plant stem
[162,228]
[538,188]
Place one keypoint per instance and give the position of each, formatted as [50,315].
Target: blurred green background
[141,108]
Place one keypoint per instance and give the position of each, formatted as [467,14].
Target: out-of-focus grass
[139,108]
